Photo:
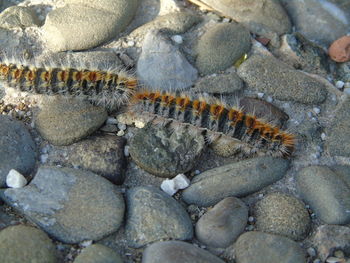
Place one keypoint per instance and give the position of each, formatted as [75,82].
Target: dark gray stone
[153,215]
[259,247]
[282,214]
[161,64]
[102,154]
[338,131]
[236,179]
[17,148]
[222,224]
[64,121]
[328,238]
[71,205]
[326,193]
[220,47]
[269,75]
[22,243]
[164,151]
[177,251]
[97,253]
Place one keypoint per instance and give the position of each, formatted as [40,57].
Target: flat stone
[18,17]
[85,24]
[263,109]
[101,154]
[282,214]
[63,121]
[165,151]
[69,204]
[328,238]
[236,179]
[319,21]
[220,47]
[161,65]
[22,243]
[326,193]
[177,251]
[258,16]
[338,131]
[259,247]
[97,253]
[17,148]
[221,84]
[269,75]
[153,215]
[222,224]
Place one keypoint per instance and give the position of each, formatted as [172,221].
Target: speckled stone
[338,131]
[220,47]
[282,214]
[18,17]
[259,247]
[153,215]
[236,179]
[267,74]
[222,84]
[177,251]
[326,193]
[222,224]
[97,253]
[63,121]
[258,16]
[22,243]
[17,148]
[82,24]
[164,151]
[69,204]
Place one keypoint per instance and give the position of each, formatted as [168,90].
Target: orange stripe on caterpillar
[104,88]
[216,118]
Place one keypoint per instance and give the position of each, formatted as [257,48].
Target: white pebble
[121,126]
[126,151]
[269,99]
[316,110]
[139,124]
[251,219]
[339,84]
[260,94]
[120,133]
[131,43]
[347,91]
[171,186]
[86,243]
[323,136]
[333,260]
[226,20]
[15,180]
[177,39]
[197,172]
[44,157]
[111,120]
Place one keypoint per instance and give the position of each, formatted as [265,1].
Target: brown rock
[339,50]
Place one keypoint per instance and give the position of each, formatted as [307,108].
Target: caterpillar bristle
[216,118]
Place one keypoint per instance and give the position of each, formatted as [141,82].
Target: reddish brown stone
[339,51]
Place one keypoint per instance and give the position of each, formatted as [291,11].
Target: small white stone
[251,219]
[339,84]
[333,260]
[269,99]
[177,39]
[44,157]
[347,91]
[86,243]
[226,20]
[15,180]
[181,181]
[197,172]
[131,43]
[260,94]
[168,186]
[120,133]
[171,186]
[111,120]
[139,124]
[126,151]
[323,136]
[316,110]
[121,126]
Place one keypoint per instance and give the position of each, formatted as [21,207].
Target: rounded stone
[153,215]
[69,204]
[177,251]
[267,74]
[282,214]
[164,151]
[339,51]
[220,47]
[22,243]
[97,253]
[258,16]
[236,179]
[85,24]
[326,193]
[259,247]
[223,84]
[17,148]
[18,16]
[221,225]
[64,121]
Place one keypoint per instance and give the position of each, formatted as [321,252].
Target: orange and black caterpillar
[217,118]
[105,88]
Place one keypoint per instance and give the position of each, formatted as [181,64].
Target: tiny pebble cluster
[81,183]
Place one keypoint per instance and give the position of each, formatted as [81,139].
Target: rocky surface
[97,253]
[18,17]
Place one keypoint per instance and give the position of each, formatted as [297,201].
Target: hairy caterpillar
[216,118]
[105,88]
